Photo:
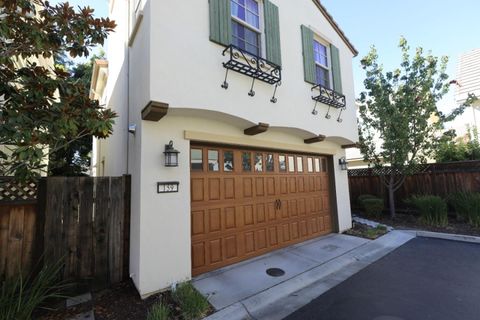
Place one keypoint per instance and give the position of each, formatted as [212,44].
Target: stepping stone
[79,299]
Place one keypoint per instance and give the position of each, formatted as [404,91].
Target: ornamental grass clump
[467,207]
[372,205]
[159,311]
[192,304]
[20,296]
[433,209]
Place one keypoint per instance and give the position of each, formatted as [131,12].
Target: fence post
[127,186]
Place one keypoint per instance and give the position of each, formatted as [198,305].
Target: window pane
[317,165]
[310,164]
[322,77]
[196,159]
[213,164]
[282,163]
[228,161]
[252,5]
[324,165]
[258,162]
[300,164]
[291,164]
[247,161]
[253,20]
[245,38]
[238,9]
[269,163]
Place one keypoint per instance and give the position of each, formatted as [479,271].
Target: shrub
[433,209]
[467,206]
[159,311]
[363,197]
[192,304]
[373,206]
[20,296]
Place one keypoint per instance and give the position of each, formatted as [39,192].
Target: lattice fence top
[11,191]
[461,166]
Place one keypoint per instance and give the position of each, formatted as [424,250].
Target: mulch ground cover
[412,221]
[121,301]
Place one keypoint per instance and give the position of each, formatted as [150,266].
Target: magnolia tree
[42,107]
[399,120]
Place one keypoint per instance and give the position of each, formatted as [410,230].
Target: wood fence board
[28,239]
[4,223]
[15,241]
[102,201]
[70,227]
[53,244]
[86,228]
[115,224]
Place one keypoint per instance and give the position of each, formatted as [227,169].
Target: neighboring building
[258,170]
[468,82]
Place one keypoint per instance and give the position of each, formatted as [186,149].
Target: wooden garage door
[248,202]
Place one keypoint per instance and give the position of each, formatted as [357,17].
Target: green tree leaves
[42,107]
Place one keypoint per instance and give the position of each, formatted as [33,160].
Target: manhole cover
[275,272]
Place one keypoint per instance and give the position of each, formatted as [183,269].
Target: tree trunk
[391,197]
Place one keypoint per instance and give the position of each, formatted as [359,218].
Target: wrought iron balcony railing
[329,97]
[252,66]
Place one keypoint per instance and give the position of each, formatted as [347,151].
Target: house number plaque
[167,187]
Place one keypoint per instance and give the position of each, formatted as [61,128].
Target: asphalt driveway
[423,279]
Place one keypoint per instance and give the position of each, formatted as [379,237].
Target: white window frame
[328,68]
[261,24]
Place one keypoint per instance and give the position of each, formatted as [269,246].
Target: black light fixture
[171,155]
[343,163]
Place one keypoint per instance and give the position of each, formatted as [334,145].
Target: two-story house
[257,96]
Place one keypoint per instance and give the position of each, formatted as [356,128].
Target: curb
[448,236]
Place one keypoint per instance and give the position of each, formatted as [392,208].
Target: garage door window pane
[247,161]
[310,164]
[269,163]
[258,162]
[282,163]
[213,164]
[228,161]
[196,159]
[317,165]
[324,165]
[300,164]
[291,164]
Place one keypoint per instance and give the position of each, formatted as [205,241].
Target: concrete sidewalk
[245,291]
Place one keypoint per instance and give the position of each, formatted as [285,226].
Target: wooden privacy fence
[440,179]
[83,220]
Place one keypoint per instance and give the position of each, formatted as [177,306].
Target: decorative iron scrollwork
[252,66]
[331,98]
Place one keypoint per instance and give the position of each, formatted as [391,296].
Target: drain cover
[275,272]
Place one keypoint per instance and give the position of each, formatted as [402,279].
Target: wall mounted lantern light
[343,163]
[171,155]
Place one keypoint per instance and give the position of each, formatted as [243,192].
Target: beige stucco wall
[172,60]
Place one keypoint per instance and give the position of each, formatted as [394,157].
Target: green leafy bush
[192,304]
[363,197]
[433,209]
[373,207]
[467,206]
[20,296]
[159,311]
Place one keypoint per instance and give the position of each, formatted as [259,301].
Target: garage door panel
[229,188]
[259,187]
[254,207]
[260,213]
[197,189]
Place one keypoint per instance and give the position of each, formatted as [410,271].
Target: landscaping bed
[122,301]
[412,221]
[363,231]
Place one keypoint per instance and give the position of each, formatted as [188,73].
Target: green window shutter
[336,73]
[308,59]
[272,33]
[220,22]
